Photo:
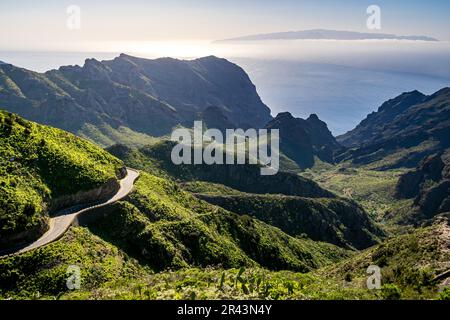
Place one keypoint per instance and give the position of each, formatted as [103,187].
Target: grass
[228,284]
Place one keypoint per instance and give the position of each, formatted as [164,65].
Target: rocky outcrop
[213,118]
[99,194]
[301,140]
[375,122]
[21,238]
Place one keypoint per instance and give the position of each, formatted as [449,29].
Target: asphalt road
[64,219]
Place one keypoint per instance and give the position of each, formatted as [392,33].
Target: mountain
[145,96]
[43,169]
[156,227]
[296,205]
[301,140]
[214,118]
[429,186]
[402,132]
[321,34]
[371,127]
[156,158]
[335,221]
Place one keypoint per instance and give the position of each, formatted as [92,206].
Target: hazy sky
[30,25]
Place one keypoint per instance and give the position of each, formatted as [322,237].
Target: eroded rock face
[23,237]
[82,198]
[408,185]
[99,194]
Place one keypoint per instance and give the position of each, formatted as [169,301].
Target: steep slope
[402,132]
[373,125]
[296,205]
[146,96]
[336,221]
[43,169]
[165,227]
[247,178]
[214,118]
[43,273]
[429,185]
[413,265]
[301,140]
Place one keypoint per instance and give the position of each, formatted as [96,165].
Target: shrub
[390,292]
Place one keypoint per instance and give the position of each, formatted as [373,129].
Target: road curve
[62,221]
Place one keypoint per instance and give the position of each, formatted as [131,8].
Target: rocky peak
[301,139]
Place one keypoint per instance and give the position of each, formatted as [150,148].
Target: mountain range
[377,195]
[403,131]
[147,96]
[323,34]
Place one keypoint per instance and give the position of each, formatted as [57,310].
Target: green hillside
[166,227]
[38,165]
[409,262]
[158,227]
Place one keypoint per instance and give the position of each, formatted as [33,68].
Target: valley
[377,195]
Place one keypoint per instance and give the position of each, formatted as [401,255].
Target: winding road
[62,221]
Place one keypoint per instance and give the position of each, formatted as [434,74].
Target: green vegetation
[208,188]
[42,273]
[166,227]
[38,164]
[156,159]
[408,263]
[332,220]
[397,158]
[230,284]
[106,136]
[253,237]
[373,190]
[108,273]
[445,294]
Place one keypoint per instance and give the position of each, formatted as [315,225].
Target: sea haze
[340,81]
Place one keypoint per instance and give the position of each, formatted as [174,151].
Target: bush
[445,294]
[390,292]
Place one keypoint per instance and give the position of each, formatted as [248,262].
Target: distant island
[322,34]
